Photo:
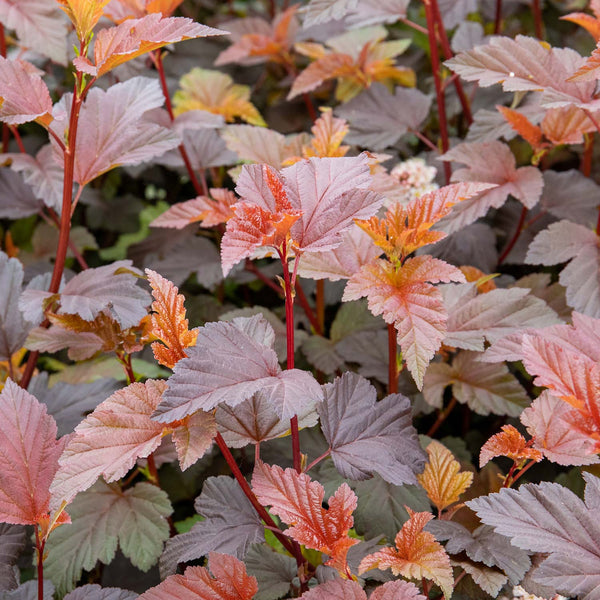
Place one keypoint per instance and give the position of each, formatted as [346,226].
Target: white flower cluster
[408,180]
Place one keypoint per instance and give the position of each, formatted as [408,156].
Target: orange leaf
[165,7]
[523,126]
[298,501]
[442,479]
[589,23]
[169,324]
[483,282]
[84,14]
[417,555]
[509,442]
[328,133]
[229,581]
[566,125]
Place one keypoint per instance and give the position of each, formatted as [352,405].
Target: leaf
[482,545]
[253,421]
[117,45]
[509,442]
[231,526]
[563,241]
[229,364]
[84,14]
[484,388]
[525,64]
[322,11]
[29,591]
[68,404]
[366,436]
[17,199]
[531,133]
[489,580]
[210,211]
[23,94]
[382,506]
[13,328]
[558,431]
[589,70]
[169,324]
[472,318]
[551,519]
[95,592]
[216,92]
[119,431]
[298,502]
[229,581]
[589,23]
[404,297]
[12,542]
[442,479]
[274,572]
[124,134]
[43,173]
[256,41]
[111,290]
[378,118]
[343,589]
[371,12]
[524,183]
[417,555]
[39,25]
[29,453]
[261,145]
[103,518]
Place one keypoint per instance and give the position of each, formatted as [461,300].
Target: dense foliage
[304,305]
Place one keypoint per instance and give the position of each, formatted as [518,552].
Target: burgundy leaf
[95,592]
[367,436]
[229,364]
[12,542]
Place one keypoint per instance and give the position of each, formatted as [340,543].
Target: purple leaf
[322,11]
[274,572]
[366,436]
[373,12]
[229,364]
[482,545]
[12,541]
[551,519]
[81,344]
[16,197]
[231,525]
[95,592]
[378,118]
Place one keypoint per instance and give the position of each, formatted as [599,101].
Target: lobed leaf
[366,436]
[298,502]
[84,14]
[442,479]
[509,442]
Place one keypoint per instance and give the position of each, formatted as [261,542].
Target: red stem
[317,460]
[515,237]
[157,59]
[498,18]
[251,267]
[448,54]
[310,314]
[537,19]
[290,546]
[320,302]
[40,544]
[588,152]
[435,67]
[289,327]
[414,25]
[392,359]
[442,416]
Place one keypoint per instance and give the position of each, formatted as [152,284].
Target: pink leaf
[357,249]
[40,25]
[116,45]
[491,162]
[29,455]
[559,432]
[115,129]
[23,94]
[229,581]
[194,437]
[406,298]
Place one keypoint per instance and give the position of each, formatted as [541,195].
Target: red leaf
[298,502]
[229,581]
[29,455]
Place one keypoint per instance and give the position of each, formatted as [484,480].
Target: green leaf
[103,518]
